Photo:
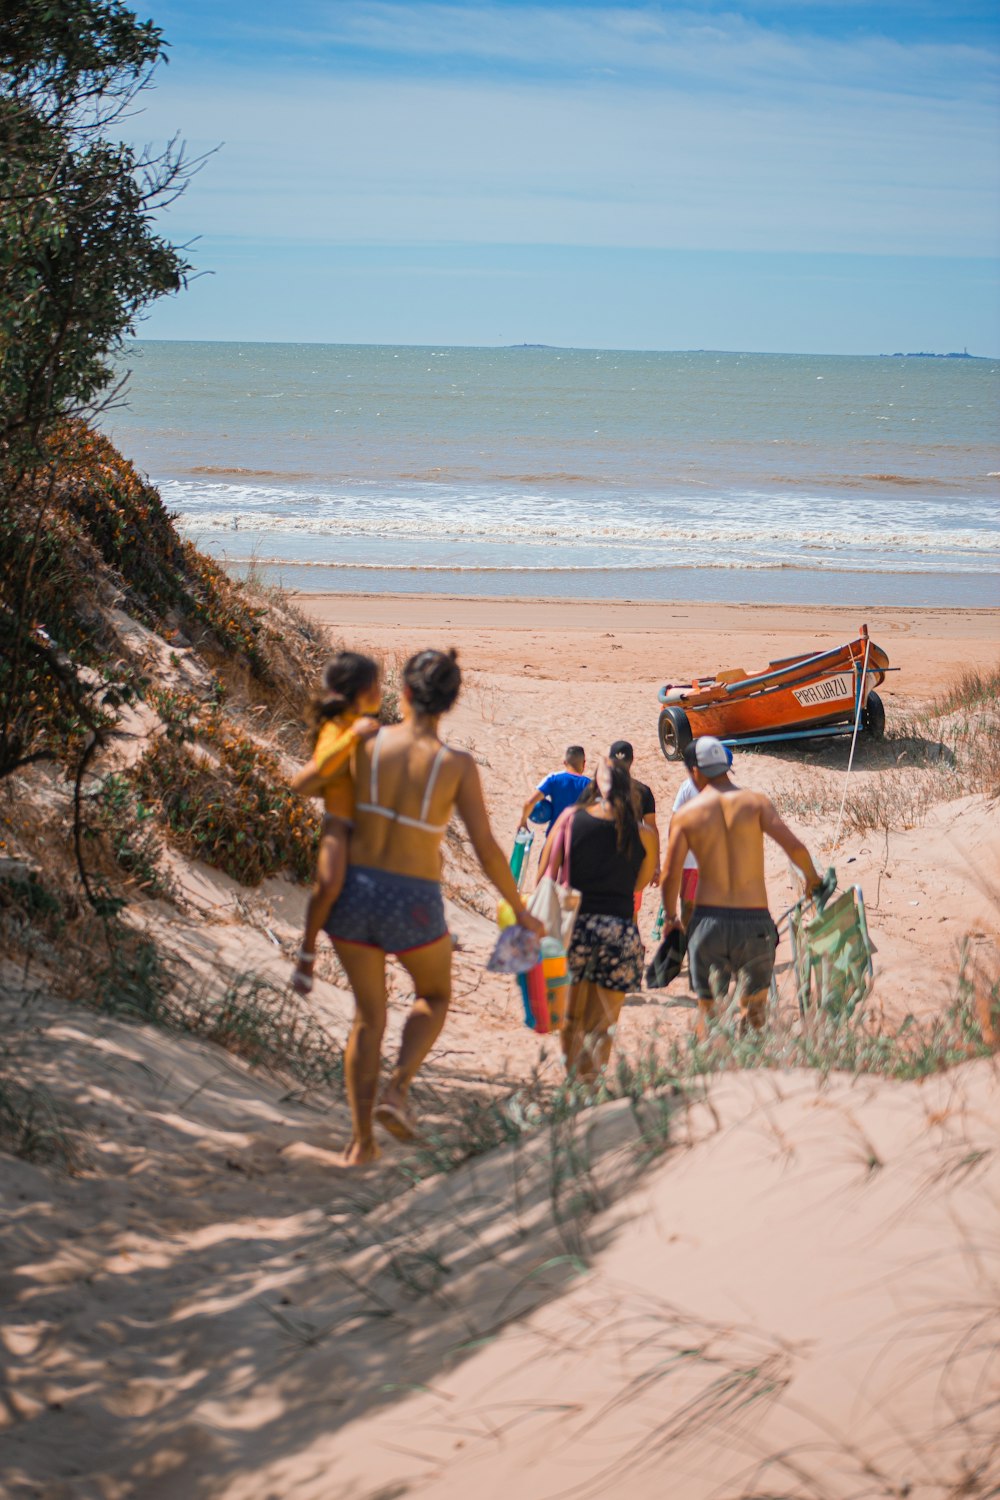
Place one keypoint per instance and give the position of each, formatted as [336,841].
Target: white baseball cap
[709,755]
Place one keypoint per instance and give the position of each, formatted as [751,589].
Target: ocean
[578,473]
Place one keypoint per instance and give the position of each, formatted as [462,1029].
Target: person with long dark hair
[610,854]
[408,782]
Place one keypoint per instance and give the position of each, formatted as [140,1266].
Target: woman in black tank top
[611,855]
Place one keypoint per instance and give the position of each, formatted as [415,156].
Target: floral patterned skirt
[607,951]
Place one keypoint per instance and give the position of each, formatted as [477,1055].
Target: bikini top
[373,805]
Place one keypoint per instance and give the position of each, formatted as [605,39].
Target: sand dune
[788,1288]
[779,1284]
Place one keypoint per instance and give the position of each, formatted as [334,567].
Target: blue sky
[803,176]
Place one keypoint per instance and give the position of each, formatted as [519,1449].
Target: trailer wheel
[873,717]
[675,732]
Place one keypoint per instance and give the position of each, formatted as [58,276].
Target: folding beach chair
[832,952]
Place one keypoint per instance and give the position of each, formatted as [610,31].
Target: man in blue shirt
[562,788]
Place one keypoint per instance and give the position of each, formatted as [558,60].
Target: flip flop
[396,1121]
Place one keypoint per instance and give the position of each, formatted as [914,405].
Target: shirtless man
[731,932]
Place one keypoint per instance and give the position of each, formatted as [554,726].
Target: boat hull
[813,705]
[813,693]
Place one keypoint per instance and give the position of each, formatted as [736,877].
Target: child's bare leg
[331,867]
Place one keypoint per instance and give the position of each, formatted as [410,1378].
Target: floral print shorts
[607,951]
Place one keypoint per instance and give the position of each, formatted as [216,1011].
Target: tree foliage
[80,260]
[80,257]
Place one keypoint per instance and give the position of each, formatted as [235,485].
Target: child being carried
[343,716]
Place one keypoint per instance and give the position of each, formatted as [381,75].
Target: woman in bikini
[407,783]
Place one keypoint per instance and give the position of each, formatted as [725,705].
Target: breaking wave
[707,565]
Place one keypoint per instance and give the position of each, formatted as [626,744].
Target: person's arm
[532,801]
[650,857]
[552,843]
[650,820]
[308,782]
[472,811]
[314,775]
[670,885]
[777,829]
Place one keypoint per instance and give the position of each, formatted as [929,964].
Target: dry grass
[974,738]
[951,751]
[31,1126]
[973,690]
[890,802]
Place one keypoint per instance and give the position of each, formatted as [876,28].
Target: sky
[803,176]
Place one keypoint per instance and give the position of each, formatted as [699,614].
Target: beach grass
[267,1025]
[973,689]
[32,1126]
[948,751]
[251,1016]
[659,1080]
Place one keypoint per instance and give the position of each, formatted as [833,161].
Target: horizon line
[575,348]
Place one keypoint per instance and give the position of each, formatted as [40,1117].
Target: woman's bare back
[406,785]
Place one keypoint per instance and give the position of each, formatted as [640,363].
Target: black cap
[622,750]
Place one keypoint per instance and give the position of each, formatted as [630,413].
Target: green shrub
[230,807]
[129,827]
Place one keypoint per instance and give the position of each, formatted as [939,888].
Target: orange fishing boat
[801,697]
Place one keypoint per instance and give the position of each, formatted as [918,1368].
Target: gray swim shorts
[724,942]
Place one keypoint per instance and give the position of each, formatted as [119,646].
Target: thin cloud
[695,48]
[380,160]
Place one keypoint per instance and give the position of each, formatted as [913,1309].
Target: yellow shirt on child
[334,744]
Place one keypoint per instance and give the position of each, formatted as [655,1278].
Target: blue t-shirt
[563,788]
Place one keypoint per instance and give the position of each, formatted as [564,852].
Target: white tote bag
[555,903]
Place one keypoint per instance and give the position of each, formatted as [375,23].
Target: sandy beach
[780,1280]
[541,674]
[658,641]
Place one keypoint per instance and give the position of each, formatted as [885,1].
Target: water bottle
[523,841]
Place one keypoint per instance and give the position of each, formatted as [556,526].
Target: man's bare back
[731,934]
[724,829]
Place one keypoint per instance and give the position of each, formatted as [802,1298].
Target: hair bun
[433,679]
